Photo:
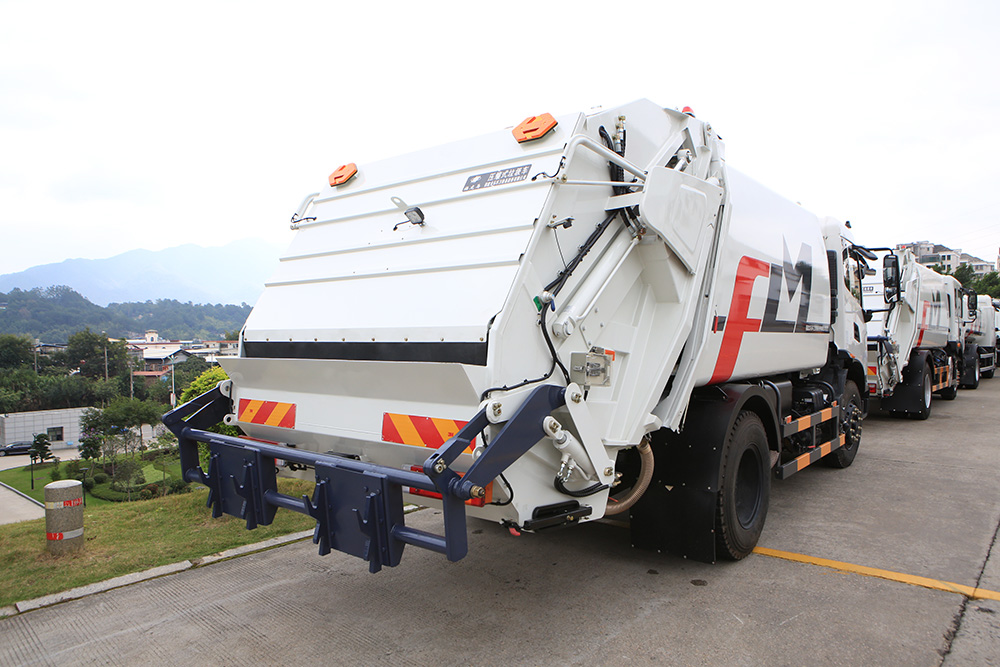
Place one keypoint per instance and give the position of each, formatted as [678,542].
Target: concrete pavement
[922,499]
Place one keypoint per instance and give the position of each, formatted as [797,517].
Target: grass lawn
[121,538]
[20,479]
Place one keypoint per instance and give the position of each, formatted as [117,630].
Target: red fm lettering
[793,277]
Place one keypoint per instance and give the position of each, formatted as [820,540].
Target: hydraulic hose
[617,506]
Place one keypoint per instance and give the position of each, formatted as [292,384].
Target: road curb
[154,573]
[100,586]
[26,497]
[251,548]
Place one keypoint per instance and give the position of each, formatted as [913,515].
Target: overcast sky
[147,125]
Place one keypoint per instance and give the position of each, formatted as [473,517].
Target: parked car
[21,447]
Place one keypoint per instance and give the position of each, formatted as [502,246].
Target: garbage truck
[577,317]
[983,335]
[917,324]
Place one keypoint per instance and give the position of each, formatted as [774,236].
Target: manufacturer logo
[785,280]
[499,177]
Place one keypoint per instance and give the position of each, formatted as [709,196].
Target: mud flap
[908,395]
[677,512]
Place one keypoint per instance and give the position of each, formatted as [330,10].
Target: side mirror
[890,278]
[973,301]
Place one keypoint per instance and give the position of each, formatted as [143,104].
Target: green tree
[988,284]
[86,350]
[126,473]
[90,448]
[40,447]
[188,370]
[16,351]
[203,383]
[964,274]
[124,418]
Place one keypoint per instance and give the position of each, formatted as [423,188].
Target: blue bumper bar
[358,506]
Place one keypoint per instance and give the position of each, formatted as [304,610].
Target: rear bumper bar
[358,506]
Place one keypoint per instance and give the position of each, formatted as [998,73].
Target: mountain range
[231,274]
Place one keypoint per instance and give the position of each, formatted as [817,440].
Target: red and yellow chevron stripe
[419,431]
[269,413]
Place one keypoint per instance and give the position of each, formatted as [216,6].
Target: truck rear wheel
[850,426]
[926,385]
[745,488]
[973,382]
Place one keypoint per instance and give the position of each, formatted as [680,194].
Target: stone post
[64,516]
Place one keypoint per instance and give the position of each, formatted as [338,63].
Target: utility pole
[105,355]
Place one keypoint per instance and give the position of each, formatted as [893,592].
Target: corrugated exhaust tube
[641,484]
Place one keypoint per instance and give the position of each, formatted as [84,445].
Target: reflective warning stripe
[872,370]
[269,413]
[942,378]
[58,505]
[802,423]
[419,431]
[810,457]
[68,535]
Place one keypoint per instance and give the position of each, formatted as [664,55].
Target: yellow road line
[925,582]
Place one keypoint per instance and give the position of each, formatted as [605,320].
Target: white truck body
[914,343]
[461,280]
[983,334]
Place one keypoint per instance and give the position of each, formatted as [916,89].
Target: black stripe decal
[473,354]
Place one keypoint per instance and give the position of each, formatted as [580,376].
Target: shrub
[88,483]
[139,479]
[178,486]
[105,493]
[153,489]
[145,494]
[56,474]
[101,478]
[73,469]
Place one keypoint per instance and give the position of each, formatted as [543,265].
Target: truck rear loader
[584,316]
[983,335]
[917,327]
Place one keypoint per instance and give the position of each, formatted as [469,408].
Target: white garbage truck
[983,335]
[917,327]
[581,316]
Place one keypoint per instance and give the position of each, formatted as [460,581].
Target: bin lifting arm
[358,506]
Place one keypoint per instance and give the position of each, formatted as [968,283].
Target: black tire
[2,453]
[745,488]
[850,426]
[973,383]
[926,383]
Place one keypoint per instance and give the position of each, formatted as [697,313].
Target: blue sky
[138,125]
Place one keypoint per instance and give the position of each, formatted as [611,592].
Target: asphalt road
[922,499]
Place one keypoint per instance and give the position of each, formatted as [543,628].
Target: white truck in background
[584,316]
[916,334]
[983,335]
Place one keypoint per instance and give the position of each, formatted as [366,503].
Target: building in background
[931,254]
[62,426]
